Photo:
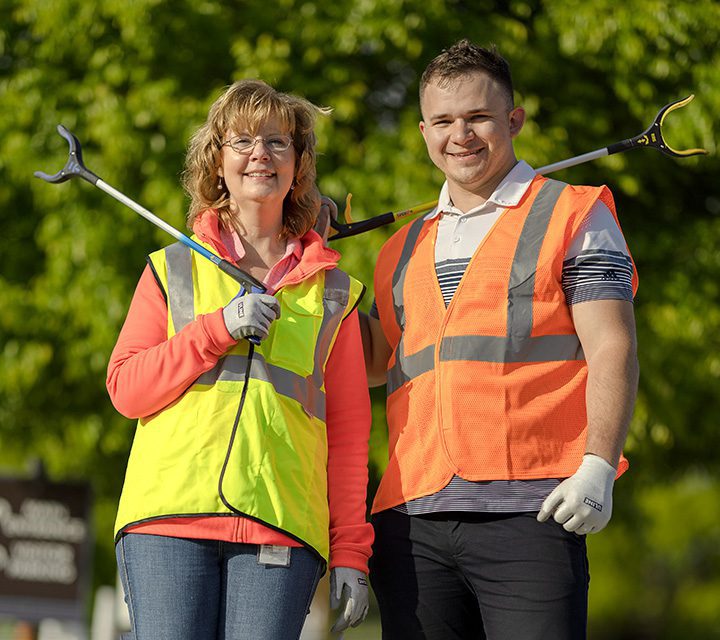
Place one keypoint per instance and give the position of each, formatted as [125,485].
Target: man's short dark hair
[465,58]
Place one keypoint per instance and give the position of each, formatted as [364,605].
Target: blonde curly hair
[245,106]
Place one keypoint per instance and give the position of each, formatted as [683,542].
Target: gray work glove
[351,586]
[328,212]
[251,315]
[583,502]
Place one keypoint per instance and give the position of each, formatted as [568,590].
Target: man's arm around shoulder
[376,349]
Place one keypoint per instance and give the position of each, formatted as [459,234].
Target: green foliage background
[134,78]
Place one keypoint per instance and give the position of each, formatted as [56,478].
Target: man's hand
[328,212]
[583,502]
[251,315]
[351,586]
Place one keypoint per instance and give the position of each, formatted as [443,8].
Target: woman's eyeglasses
[244,144]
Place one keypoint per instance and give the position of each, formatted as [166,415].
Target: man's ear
[516,120]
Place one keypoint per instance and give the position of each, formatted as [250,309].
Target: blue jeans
[177,589]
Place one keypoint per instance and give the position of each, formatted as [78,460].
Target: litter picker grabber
[651,137]
[74,168]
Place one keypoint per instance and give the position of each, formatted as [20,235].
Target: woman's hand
[251,315]
[348,587]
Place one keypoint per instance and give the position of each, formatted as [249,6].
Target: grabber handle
[353,228]
[245,279]
[248,284]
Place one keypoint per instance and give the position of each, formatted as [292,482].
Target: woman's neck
[256,220]
[263,251]
[259,234]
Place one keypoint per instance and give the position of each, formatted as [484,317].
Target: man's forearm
[613,374]
[375,350]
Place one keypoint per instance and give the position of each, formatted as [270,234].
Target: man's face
[468,128]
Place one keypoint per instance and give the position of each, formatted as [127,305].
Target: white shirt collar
[507,194]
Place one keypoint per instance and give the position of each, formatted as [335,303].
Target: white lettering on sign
[43,519]
[41,562]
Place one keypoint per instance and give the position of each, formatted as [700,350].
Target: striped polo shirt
[597,266]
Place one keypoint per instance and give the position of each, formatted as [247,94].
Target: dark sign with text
[44,548]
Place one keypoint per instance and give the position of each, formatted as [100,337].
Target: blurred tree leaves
[134,78]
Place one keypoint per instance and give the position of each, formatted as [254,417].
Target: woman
[226,523]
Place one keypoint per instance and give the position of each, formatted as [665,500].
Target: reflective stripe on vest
[517,345]
[307,391]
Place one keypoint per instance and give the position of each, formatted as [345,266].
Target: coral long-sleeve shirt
[147,371]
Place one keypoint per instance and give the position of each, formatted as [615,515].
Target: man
[504,329]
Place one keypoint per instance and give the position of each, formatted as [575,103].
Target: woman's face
[258,168]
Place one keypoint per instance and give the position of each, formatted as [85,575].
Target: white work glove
[328,212]
[251,315]
[583,502]
[351,586]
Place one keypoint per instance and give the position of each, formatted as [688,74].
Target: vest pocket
[292,339]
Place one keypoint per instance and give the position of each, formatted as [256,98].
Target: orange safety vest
[493,386]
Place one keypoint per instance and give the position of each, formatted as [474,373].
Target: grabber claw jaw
[653,136]
[74,165]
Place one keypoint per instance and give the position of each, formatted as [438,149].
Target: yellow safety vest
[187,460]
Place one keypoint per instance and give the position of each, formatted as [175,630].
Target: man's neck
[466,199]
